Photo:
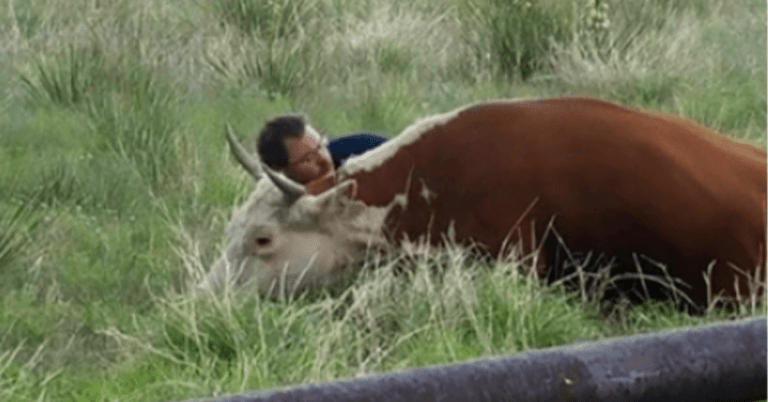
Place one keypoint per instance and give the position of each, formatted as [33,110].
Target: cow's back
[616,181]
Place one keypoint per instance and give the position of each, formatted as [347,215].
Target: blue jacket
[354,144]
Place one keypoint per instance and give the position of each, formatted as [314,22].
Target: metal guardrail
[719,362]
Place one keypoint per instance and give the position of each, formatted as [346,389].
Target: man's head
[290,145]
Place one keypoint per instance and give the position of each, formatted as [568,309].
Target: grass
[116,184]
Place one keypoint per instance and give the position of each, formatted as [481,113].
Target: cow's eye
[260,240]
[258,245]
[263,241]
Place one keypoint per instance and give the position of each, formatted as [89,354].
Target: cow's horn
[290,188]
[248,162]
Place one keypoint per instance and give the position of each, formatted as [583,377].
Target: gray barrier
[720,362]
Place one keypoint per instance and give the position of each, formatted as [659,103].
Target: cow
[628,184]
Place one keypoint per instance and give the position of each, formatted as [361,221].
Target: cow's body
[616,181]
[612,180]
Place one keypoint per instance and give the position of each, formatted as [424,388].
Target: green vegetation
[116,184]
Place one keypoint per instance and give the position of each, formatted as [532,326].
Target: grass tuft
[18,220]
[138,125]
[520,33]
[269,20]
[68,79]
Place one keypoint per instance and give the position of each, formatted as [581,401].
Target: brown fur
[616,180]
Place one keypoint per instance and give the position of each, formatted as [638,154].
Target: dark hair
[271,141]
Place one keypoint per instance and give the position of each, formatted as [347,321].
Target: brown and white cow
[613,180]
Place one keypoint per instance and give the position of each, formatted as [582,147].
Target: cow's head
[285,240]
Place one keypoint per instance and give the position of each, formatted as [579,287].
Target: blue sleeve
[355,144]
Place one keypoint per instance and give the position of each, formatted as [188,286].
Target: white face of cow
[285,241]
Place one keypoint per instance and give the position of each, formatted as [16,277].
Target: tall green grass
[116,183]
[18,222]
[520,33]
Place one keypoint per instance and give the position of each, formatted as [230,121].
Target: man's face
[308,158]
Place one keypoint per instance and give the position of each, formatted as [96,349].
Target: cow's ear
[344,190]
[352,189]
[327,202]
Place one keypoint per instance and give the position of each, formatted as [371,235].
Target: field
[116,184]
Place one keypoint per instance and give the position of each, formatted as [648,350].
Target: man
[289,145]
